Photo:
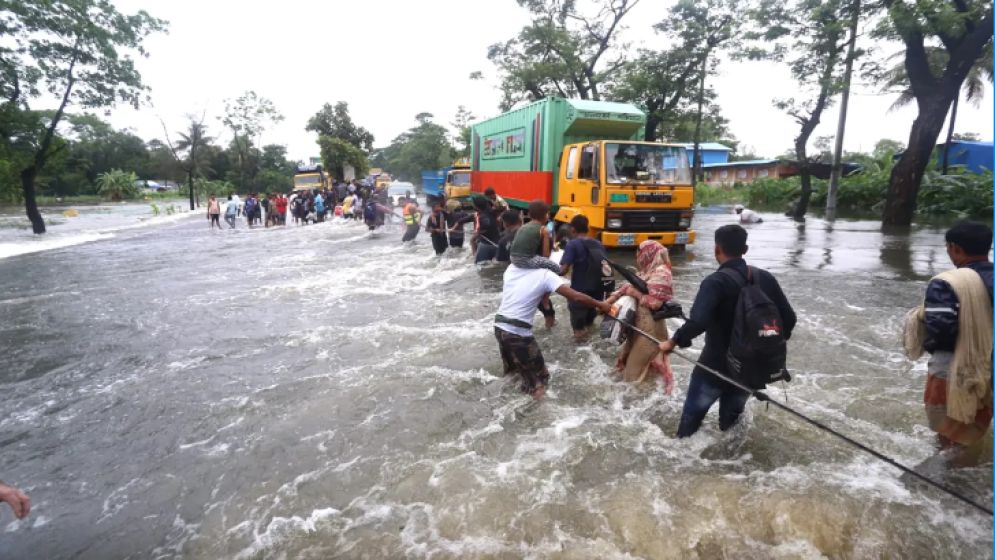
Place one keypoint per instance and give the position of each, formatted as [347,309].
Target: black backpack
[600,277]
[757,347]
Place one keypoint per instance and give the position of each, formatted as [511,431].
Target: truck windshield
[646,164]
[459,179]
[305,180]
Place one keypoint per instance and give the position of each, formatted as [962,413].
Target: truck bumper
[623,239]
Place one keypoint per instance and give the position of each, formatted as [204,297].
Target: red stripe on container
[523,185]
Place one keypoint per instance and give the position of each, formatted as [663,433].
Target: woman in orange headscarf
[640,355]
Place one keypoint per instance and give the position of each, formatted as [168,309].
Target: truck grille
[650,220]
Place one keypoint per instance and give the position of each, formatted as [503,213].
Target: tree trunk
[30,203]
[903,186]
[950,134]
[652,123]
[190,183]
[697,164]
[805,176]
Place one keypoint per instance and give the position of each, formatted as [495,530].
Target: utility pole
[837,171]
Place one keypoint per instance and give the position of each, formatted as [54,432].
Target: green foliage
[337,153]
[335,122]
[247,117]
[563,51]
[961,194]
[205,188]
[117,185]
[155,209]
[425,146]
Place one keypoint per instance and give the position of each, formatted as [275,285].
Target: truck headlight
[615,223]
[684,223]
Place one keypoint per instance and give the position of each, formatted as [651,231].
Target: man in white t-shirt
[747,216]
[523,289]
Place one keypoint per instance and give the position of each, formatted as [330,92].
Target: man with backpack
[584,259]
[746,320]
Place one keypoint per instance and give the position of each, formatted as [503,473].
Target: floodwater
[310,392]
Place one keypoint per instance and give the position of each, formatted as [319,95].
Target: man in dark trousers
[712,313]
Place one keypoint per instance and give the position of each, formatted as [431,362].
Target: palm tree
[192,141]
[973,87]
[116,184]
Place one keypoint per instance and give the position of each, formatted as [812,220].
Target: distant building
[975,157]
[711,152]
[749,171]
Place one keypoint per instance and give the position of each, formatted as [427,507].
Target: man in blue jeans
[712,313]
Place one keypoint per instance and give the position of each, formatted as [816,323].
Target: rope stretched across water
[763,397]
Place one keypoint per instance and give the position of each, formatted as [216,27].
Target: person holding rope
[486,231]
[712,313]
[412,220]
[954,325]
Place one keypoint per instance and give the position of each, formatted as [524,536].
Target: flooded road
[314,393]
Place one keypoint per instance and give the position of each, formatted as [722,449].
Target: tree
[963,30]
[79,51]
[425,146]
[192,143]
[117,185]
[461,122]
[336,123]
[337,153]
[247,117]
[974,85]
[276,172]
[810,36]
[562,52]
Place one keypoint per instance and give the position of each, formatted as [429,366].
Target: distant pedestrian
[412,220]
[213,212]
[747,216]
[436,227]
[231,212]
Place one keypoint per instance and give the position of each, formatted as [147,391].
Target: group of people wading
[348,200]
[954,324]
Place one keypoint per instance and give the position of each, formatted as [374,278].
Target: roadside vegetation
[957,194]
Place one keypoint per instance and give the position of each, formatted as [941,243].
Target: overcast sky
[392,59]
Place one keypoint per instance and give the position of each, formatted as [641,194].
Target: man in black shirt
[512,220]
[712,313]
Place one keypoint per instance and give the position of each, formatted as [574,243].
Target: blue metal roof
[710,146]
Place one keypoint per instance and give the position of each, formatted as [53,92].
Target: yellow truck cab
[457,185]
[630,191]
[310,177]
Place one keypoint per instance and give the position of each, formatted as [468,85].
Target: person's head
[229,197]
[452,205]
[650,255]
[968,242]
[738,208]
[489,193]
[539,211]
[482,203]
[511,219]
[579,225]
[437,207]
[563,234]
[212,197]
[730,242]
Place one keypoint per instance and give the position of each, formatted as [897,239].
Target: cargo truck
[588,157]
[310,177]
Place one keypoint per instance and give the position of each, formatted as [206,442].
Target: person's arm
[942,316]
[19,502]
[545,245]
[568,258]
[584,299]
[781,301]
[702,312]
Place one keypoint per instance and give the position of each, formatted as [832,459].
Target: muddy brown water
[172,392]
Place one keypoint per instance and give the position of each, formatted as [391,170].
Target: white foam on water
[39,243]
